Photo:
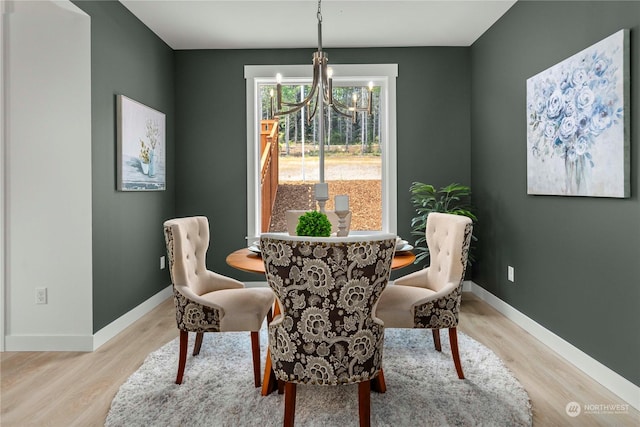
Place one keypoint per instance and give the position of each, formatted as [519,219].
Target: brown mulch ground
[365,202]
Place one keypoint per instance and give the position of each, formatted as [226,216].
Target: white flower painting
[578,123]
[141,147]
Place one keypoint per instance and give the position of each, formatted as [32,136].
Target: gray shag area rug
[422,388]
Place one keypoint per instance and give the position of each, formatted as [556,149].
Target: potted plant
[452,199]
[313,223]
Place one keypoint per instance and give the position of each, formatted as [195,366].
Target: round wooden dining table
[247,260]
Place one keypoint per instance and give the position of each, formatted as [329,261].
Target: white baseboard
[613,381]
[85,342]
[48,343]
[127,319]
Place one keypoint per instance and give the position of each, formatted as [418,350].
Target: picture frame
[141,147]
[578,141]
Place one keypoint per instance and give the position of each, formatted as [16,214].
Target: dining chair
[430,298]
[327,332]
[205,300]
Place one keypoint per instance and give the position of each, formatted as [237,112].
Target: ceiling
[265,24]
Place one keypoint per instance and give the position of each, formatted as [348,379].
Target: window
[345,76]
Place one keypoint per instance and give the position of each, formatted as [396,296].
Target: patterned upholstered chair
[430,298]
[327,333]
[207,301]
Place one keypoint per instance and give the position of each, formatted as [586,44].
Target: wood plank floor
[76,389]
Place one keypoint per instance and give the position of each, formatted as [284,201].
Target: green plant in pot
[313,223]
[452,199]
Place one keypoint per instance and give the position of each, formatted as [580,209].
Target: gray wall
[126,58]
[433,89]
[576,259]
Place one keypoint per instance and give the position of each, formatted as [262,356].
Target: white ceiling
[264,24]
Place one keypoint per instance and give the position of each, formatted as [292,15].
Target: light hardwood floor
[76,389]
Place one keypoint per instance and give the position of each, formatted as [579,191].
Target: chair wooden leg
[378,384]
[436,339]
[453,340]
[255,351]
[182,359]
[364,403]
[289,404]
[280,386]
[198,344]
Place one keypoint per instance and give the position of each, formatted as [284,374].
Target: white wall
[47,64]
[2,168]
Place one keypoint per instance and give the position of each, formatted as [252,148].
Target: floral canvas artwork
[141,147]
[578,123]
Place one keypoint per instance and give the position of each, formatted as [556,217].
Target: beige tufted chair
[430,298]
[327,333]
[207,301]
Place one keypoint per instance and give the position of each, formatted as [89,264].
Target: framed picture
[578,123]
[141,147]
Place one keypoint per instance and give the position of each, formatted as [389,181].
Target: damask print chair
[327,333]
[207,301]
[430,298]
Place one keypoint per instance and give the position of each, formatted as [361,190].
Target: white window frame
[383,75]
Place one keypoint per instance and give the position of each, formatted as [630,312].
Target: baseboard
[127,319]
[48,343]
[85,342]
[613,381]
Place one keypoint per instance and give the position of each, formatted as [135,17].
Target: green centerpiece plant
[313,223]
[452,199]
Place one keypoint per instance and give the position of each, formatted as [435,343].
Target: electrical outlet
[163,262]
[511,274]
[41,295]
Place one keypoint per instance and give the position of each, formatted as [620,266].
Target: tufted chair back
[188,252]
[327,288]
[448,238]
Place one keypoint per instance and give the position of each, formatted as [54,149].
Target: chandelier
[321,93]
